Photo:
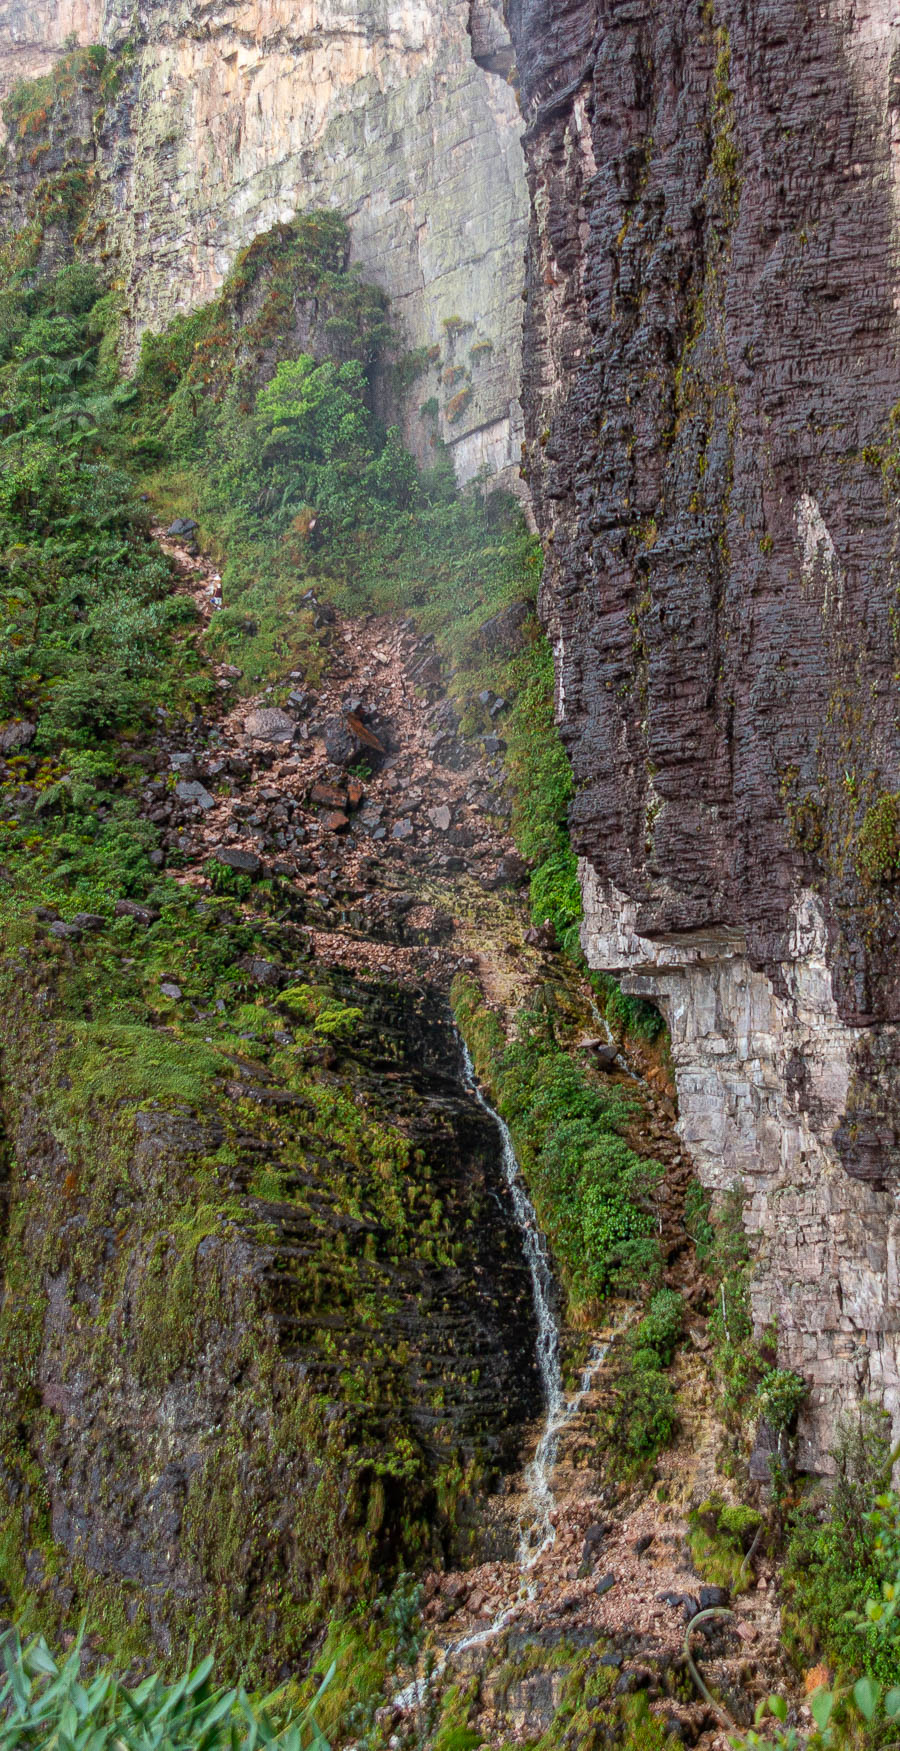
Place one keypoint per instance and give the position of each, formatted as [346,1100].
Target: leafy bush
[721,1535]
[43,1702]
[779,1396]
[594,1195]
[627,1016]
[836,1558]
[662,1326]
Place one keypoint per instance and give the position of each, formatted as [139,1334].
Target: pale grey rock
[238,117]
[191,791]
[269,724]
[826,1246]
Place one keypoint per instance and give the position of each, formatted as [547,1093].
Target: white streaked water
[536,1529]
[621,1060]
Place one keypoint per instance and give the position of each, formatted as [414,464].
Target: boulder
[264,972]
[182,526]
[140,914]
[190,791]
[505,632]
[15,737]
[269,724]
[246,862]
[327,796]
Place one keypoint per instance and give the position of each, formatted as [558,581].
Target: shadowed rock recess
[711,373]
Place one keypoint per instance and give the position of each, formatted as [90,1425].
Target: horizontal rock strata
[711,371]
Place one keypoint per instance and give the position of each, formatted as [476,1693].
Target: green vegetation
[841,1552]
[594,1195]
[721,1537]
[643,1417]
[47,1703]
[628,1017]
[878,840]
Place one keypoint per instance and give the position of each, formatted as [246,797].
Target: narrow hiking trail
[408,870]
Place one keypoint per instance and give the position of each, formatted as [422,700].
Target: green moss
[878,840]
[725,158]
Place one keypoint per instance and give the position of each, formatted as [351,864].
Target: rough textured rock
[227,122]
[711,368]
[237,1381]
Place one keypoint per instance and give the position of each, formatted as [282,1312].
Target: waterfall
[536,1530]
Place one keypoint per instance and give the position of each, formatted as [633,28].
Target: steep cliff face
[710,384]
[227,121]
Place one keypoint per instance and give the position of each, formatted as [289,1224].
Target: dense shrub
[44,1702]
[594,1195]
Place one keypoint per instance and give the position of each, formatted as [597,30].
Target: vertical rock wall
[230,120]
[711,378]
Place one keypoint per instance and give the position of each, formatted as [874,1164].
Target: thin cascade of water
[621,1060]
[533,1537]
[536,1529]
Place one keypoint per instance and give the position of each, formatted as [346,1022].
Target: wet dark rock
[604,1585]
[506,632]
[66,932]
[182,526]
[713,1596]
[603,1055]
[764,1454]
[246,862]
[89,921]
[511,871]
[542,936]
[132,909]
[265,972]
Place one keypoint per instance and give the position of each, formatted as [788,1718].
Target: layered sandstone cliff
[711,375]
[228,120]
